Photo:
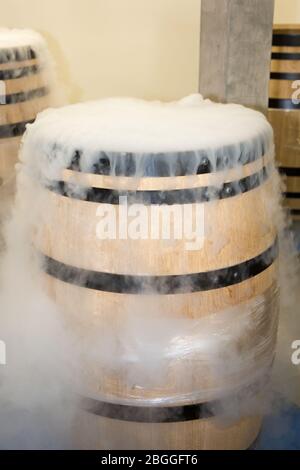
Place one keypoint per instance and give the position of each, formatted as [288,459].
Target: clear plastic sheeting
[157,360]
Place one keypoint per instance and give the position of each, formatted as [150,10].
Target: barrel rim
[184,163]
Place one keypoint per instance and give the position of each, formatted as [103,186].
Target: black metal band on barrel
[295,212]
[17,54]
[285,76]
[290,171]
[143,414]
[285,56]
[21,72]
[172,284]
[171,197]
[13,130]
[290,195]
[173,414]
[170,164]
[23,96]
[292,40]
[283,103]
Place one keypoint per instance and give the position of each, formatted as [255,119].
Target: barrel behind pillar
[284,109]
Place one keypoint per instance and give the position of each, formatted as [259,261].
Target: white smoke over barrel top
[19,44]
[148,349]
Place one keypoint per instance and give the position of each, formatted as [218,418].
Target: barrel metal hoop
[286,40]
[283,103]
[148,414]
[173,414]
[292,76]
[21,72]
[23,96]
[290,171]
[290,195]
[14,130]
[161,285]
[170,197]
[177,163]
[285,56]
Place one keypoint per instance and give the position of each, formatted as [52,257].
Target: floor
[281,431]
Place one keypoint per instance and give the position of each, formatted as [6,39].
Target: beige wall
[287,11]
[144,48]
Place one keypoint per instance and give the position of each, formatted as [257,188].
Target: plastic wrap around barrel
[24,92]
[284,109]
[228,289]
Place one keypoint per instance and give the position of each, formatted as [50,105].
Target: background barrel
[25,90]
[284,109]
[105,286]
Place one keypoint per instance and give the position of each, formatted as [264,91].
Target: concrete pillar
[235,51]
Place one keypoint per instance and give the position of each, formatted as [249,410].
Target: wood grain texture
[292,203]
[281,88]
[18,64]
[287,66]
[8,156]
[287,28]
[92,432]
[31,82]
[286,49]
[155,257]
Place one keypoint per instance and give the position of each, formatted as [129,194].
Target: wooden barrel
[24,92]
[224,292]
[284,109]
